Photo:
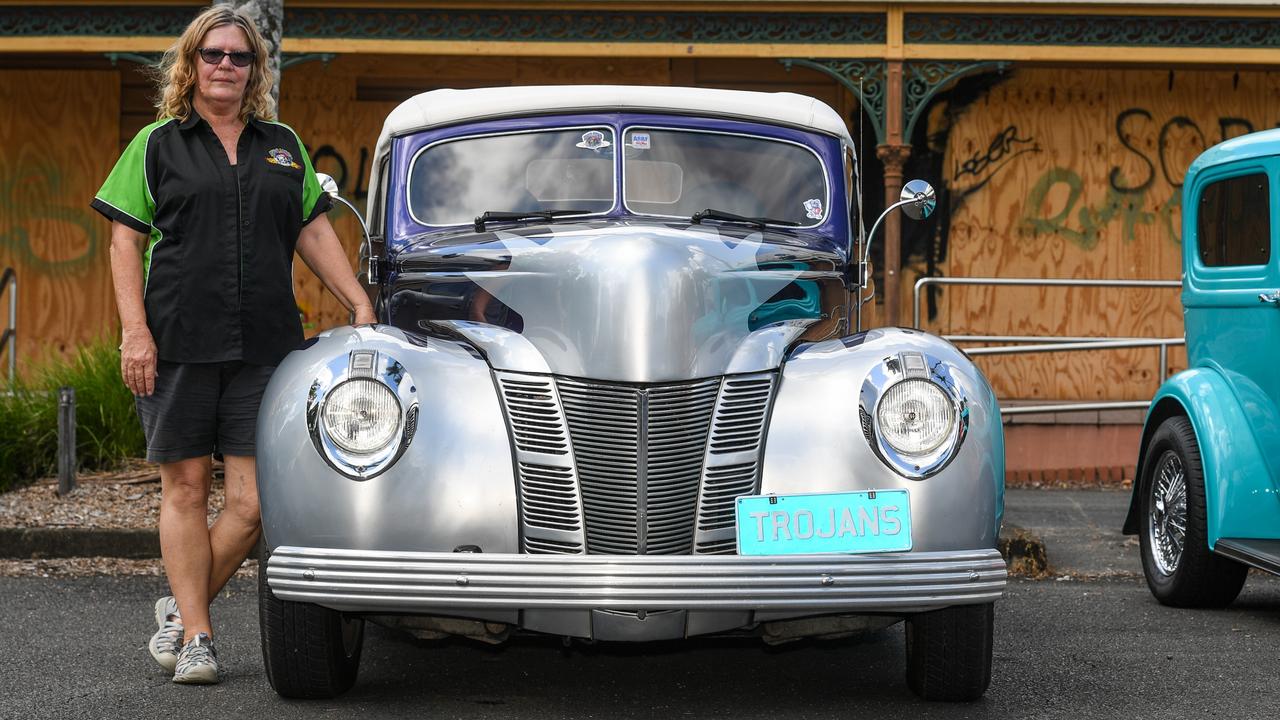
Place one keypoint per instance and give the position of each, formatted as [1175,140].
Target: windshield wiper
[760,222]
[547,215]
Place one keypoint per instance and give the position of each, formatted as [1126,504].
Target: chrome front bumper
[479,583]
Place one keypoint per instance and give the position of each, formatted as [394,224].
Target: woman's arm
[137,347]
[319,248]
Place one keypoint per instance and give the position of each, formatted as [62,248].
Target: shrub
[107,429]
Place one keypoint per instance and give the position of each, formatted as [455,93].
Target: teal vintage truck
[1205,506]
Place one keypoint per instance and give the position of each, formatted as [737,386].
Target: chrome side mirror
[918,201]
[920,198]
[330,187]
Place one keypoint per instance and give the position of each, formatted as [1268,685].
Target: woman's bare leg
[184,538]
[236,531]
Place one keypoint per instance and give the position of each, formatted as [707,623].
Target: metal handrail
[1051,343]
[9,338]
[1046,282]
[1105,344]
[1162,343]
[1075,407]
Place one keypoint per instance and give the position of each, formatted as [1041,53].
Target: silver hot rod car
[619,391]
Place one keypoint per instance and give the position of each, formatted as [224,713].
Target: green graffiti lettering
[1056,224]
[1168,212]
[1129,207]
[25,195]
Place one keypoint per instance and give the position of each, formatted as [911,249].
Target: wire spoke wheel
[1180,568]
[1167,518]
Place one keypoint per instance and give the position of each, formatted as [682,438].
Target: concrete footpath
[1074,532]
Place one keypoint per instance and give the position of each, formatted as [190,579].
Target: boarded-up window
[1234,225]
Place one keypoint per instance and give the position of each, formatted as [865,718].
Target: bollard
[66,440]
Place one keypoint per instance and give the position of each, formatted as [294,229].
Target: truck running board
[1262,554]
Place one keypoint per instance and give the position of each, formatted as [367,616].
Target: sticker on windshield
[640,141]
[813,208]
[593,140]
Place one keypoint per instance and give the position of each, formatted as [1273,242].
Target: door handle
[1270,297]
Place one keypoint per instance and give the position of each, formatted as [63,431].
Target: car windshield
[676,173]
[453,182]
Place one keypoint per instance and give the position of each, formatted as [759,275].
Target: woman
[208,206]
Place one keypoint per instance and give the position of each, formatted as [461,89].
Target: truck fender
[1240,497]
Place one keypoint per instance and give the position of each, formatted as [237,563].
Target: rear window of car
[1234,222]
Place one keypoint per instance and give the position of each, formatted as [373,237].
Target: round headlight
[361,416]
[915,417]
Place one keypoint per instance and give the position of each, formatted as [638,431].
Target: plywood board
[58,133]
[339,133]
[1077,174]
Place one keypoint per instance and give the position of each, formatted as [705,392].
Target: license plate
[847,522]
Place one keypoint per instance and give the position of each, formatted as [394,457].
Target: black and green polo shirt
[218,267]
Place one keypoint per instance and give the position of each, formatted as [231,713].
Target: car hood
[623,301]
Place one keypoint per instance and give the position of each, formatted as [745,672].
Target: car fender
[815,441]
[452,487]
[1232,424]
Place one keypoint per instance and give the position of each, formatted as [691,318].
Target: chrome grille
[639,453]
[732,464]
[722,488]
[536,424]
[549,497]
[550,507]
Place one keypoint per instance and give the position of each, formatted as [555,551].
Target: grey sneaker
[167,641]
[197,663]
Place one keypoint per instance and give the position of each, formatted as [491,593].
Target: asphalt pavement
[1088,641]
[1064,648]
[1080,529]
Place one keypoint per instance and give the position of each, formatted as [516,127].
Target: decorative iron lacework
[998,29]
[80,20]
[584,26]
[922,80]
[504,25]
[863,78]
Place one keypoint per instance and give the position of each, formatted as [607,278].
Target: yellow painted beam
[89,44]
[84,44]
[1016,53]
[1096,54]
[579,49]
[893,33]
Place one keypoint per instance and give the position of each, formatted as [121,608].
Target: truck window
[1234,222]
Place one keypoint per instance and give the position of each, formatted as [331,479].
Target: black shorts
[200,408]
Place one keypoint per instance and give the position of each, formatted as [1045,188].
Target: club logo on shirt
[280,156]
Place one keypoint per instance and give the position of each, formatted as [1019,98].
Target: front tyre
[949,652]
[309,651]
[1180,569]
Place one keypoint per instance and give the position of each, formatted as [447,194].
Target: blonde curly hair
[176,74]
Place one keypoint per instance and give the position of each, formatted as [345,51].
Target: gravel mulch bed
[125,499]
[128,499]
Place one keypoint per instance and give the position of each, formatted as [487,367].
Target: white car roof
[441,107]
[444,107]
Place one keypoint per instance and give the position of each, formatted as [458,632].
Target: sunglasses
[213,56]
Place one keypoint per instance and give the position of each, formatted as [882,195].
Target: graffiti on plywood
[40,235]
[1148,195]
[984,165]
